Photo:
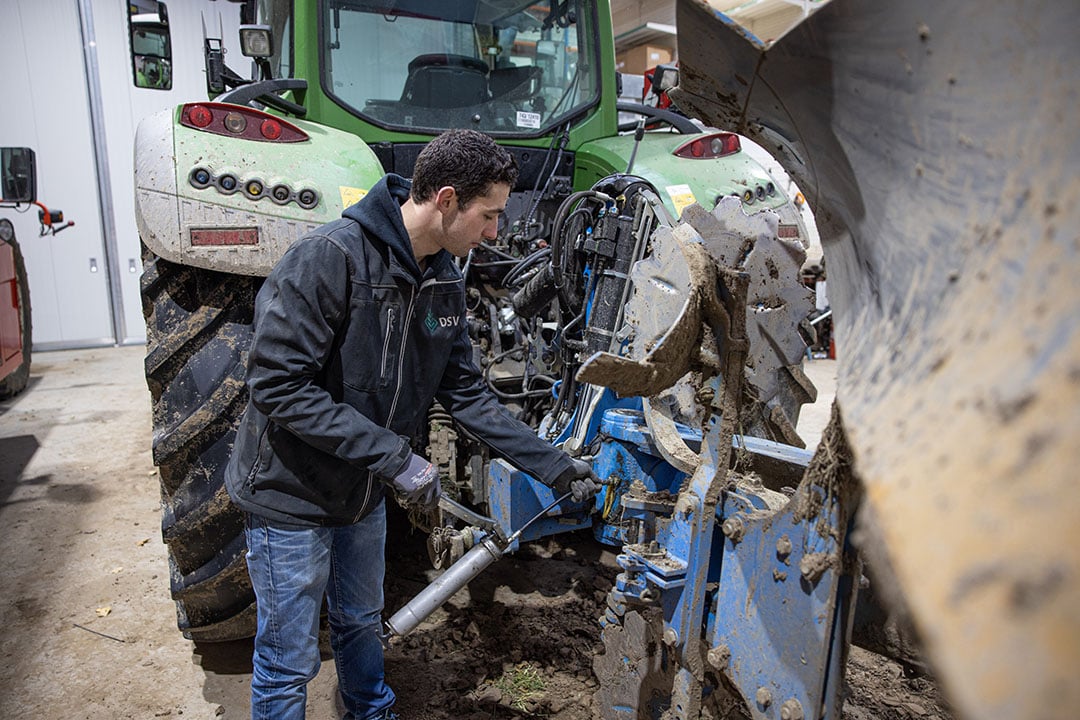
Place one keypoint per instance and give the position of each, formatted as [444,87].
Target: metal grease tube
[434,595]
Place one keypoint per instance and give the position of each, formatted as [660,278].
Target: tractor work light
[256,41]
[707,147]
[239,121]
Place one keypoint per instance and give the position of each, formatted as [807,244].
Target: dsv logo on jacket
[433,322]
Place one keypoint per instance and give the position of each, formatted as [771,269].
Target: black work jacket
[351,344]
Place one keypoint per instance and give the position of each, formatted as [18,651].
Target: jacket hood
[379,214]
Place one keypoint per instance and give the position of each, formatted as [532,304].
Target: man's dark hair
[466,160]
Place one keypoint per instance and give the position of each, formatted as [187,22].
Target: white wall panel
[125,105]
[47,108]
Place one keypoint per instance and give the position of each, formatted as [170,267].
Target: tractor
[347,90]
[641,308]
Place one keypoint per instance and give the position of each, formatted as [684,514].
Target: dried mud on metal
[522,641]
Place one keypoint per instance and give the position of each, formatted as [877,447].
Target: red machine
[14,315]
[18,189]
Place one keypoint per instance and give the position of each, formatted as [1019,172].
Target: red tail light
[199,116]
[270,129]
[709,146]
[239,121]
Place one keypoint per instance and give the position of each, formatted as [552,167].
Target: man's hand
[418,483]
[578,479]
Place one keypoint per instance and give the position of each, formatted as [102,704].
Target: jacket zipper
[397,386]
[386,340]
[401,356]
[257,465]
[404,339]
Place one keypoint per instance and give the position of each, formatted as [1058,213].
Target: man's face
[464,229]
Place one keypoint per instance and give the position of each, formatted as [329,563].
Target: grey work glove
[417,483]
[578,479]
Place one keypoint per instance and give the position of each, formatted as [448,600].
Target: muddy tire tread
[198,333]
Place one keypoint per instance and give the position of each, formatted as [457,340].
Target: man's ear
[446,198]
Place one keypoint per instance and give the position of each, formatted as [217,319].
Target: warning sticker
[528,119]
[349,195]
[681,196]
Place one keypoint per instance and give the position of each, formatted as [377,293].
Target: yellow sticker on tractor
[349,195]
[681,196]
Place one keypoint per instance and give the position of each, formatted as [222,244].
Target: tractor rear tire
[16,381]
[198,326]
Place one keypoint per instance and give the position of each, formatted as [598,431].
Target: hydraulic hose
[535,295]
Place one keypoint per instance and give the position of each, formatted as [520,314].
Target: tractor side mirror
[151,46]
[665,77]
[18,175]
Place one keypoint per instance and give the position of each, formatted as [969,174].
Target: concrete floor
[814,418]
[89,628]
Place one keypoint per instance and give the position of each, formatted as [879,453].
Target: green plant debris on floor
[520,684]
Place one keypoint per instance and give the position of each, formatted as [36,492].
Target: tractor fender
[207,200]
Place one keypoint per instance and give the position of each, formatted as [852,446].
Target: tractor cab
[507,68]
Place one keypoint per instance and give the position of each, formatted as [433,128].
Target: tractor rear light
[784,230]
[270,129]
[239,121]
[235,122]
[198,116]
[709,146]
[725,144]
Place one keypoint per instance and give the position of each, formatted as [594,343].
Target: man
[359,326]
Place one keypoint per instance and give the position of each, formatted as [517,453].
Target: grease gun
[484,553]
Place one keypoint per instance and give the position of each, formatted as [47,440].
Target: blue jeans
[291,568]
